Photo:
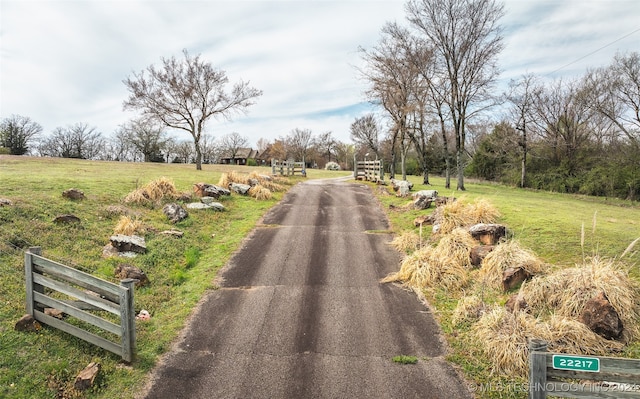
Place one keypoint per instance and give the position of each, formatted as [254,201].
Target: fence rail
[47,282]
[549,372]
[288,167]
[369,170]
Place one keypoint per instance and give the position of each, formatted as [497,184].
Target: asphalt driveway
[300,313]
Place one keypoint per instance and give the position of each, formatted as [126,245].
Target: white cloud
[63,62]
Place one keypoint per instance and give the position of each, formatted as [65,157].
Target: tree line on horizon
[433,82]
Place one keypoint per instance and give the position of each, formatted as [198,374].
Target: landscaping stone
[73,194]
[512,277]
[66,219]
[401,187]
[210,190]
[124,271]
[488,234]
[601,317]
[478,254]
[27,324]
[175,212]
[86,378]
[421,203]
[124,243]
[238,188]
[516,303]
[216,206]
[173,233]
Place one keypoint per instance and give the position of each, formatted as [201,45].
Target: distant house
[241,157]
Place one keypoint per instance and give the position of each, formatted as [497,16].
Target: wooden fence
[369,170]
[549,372]
[290,167]
[48,282]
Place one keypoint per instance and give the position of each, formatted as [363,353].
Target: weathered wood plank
[581,391]
[79,314]
[79,333]
[76,293]
[28,277]
[84,280]
[127,320]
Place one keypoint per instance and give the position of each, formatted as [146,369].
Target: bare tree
[186,94]
[324,147]
[365,132]
[614,92]
[17,134]
[466,41]
[392,85]
[299,142]
[119,148]
[184,151]
[230,145]
[148,138]
[210,149]
[562,116]
[521,95]
[75,141]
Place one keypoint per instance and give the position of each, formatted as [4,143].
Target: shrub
[332,166]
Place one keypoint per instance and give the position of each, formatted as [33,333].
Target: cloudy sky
[63,62]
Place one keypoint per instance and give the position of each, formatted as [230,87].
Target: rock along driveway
[300,313]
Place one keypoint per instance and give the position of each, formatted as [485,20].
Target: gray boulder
[175,212]
[242,189]
[124,243]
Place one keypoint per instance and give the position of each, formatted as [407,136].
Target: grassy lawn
[44,364]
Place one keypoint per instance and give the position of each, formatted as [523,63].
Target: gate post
[127,320]
[537,369]
[28,276]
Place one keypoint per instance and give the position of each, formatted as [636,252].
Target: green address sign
[577,363]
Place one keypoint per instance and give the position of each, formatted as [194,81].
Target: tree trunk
[392,166]
[198,155]
[447,172]
[425,178]
[523,175]
[459,155]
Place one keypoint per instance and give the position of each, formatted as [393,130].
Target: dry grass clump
[469,309]
[273,184]
[456,246]
[155,191]
[232,177]
[423,269]
[460,214]
[505,338]
[506,255]
[571,336]
[128,226]
[259,192]
[568,290]
[408,241]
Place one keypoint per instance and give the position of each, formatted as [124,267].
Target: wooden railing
[369,170]
[288,167]
[49,283]
[562,375]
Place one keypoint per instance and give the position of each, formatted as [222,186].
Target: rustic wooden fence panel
[548,373]
[47,281]
[369,170]
[286,168]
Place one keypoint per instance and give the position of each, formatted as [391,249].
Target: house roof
[241,153]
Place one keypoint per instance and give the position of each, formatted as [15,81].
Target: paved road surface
[301,314]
